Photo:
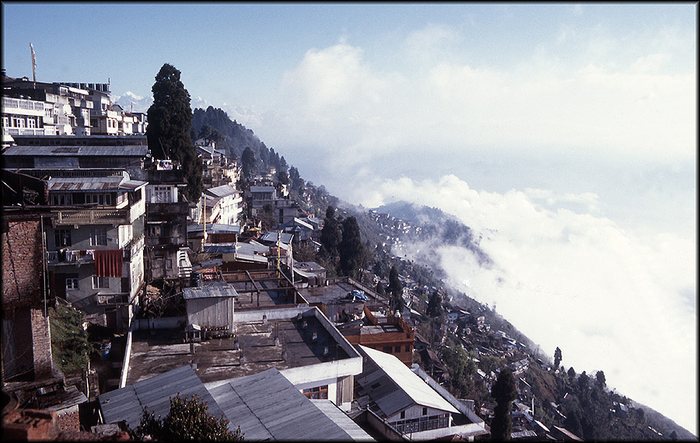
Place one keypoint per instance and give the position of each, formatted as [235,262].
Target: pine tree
[330,235]
[248,167]
[350,249]
[434,304]
[504,392]
[170,125]
[395,288]
[557,357]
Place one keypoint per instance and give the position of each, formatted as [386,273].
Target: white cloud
[610,298]
[339,104]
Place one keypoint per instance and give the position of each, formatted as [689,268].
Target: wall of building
[26,340]
[211,312]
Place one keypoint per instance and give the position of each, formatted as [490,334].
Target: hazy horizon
[566,134]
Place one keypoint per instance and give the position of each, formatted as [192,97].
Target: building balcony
[93,216]
[70,257]
[24,131]
[160,210]
[118,299]
[22,106]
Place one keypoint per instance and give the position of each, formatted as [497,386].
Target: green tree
[248,167]
[330,235]
[462,371]
[504,392]
[572,373]
[380,289]
[188,419]
[69,341]
[583,381]
[350,249]
[296,181]
[434,304]
[600,379]
[395,288]
[557,357]
[170,125]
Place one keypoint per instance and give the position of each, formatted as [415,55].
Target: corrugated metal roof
[113,183]
[267,406]
[341,419]
[210,290]
[285,238]
[78,151]
[393,386]
[128,403]
[222,191]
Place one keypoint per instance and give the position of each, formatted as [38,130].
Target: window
[425,411]
[320,392]
[31,123]
[61,199]
[386,349]
[100,282]
[403,414]
[397,349]
[72,283]
[100,199]
[62,237]
[168,264]
[161,194]
[98,237]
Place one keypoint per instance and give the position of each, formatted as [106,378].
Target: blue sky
[566,134]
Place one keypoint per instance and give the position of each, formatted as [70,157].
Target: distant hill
[432,224]
[234,136]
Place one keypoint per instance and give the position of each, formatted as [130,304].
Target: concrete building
[387,333]
[95,245]
[225,205]
[298,341]
[166,223]
[411,403]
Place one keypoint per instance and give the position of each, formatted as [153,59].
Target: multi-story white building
[95,244]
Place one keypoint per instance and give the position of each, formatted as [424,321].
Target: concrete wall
[159,323]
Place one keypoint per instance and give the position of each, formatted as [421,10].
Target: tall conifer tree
[169,127]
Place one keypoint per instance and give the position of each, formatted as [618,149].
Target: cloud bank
[610,298]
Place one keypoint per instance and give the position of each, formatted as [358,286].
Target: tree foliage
[170,125]
[434,304]
[462,371]
[395,288]
[504,392]
[69,341]
[350,249]
[600,379]
[248,166]
[330,235]
[188,419]
[557,357]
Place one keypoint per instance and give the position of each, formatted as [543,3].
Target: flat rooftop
[334,291]
[257,345]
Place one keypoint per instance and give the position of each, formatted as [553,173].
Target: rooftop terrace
[290,338]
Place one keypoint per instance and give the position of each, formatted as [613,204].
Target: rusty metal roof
[93,184]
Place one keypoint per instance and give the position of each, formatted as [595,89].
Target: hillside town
[230,298]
